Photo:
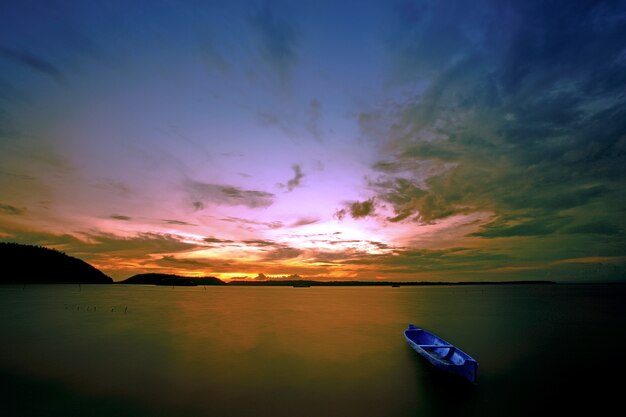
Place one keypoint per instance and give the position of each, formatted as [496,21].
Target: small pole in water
[126,309]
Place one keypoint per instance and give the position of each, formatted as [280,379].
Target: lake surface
[321,351]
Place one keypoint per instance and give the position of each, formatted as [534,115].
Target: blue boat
[441,353]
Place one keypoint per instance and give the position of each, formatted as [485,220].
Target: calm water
[158,351]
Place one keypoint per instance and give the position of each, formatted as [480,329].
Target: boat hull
[442,354]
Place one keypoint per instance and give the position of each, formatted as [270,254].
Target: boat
[442,354]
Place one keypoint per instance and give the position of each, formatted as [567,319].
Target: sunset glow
[360,140]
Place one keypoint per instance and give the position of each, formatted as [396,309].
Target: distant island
[310,283]
[172,280]
[26,264]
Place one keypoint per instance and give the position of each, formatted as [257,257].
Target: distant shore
[27,264]
[303,283]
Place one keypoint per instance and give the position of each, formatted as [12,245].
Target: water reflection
[320,351]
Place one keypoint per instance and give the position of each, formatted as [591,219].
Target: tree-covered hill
[26,264]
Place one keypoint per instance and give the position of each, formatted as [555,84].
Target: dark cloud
[141,244]
[12,210]
[277,36]
[177,222]
[356,209]
[173,261]
[282,253]
[424,260]
[34,62]
[226,195]
[304,221]
[216,240]
[120,217]
[360,209]
[340,214]
[533,227]
[260,242]
[297,177]
[335,257]
[379,245]
[597,228]
[274,251]
[521,112]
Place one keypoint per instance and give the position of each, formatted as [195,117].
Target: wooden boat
[441,353]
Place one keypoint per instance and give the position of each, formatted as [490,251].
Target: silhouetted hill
[26,264]
[169,279]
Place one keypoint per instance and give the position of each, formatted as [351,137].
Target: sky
[341,140]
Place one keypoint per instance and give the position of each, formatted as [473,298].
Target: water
[281,351]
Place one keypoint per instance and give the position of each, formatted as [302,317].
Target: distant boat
[301,285]
[441,353]
[395,285]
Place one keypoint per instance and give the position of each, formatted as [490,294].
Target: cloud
[216,240]
[532,227]
[33,62]
[599,227]
[295,181]
[357,209]
[282,253]
[276,38]
[17,176]
[260,242]
[269,225]
[360,209]
[423,260]
[11,210]
[283,123]
[274,251]
[120,217]
[335,257]
[177,222]
[173,261]
[305,221]
[228,195]
[314,112]
[518,117]
[109,252]
[140,244]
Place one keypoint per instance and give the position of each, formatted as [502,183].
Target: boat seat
[436,346]
[449,354]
